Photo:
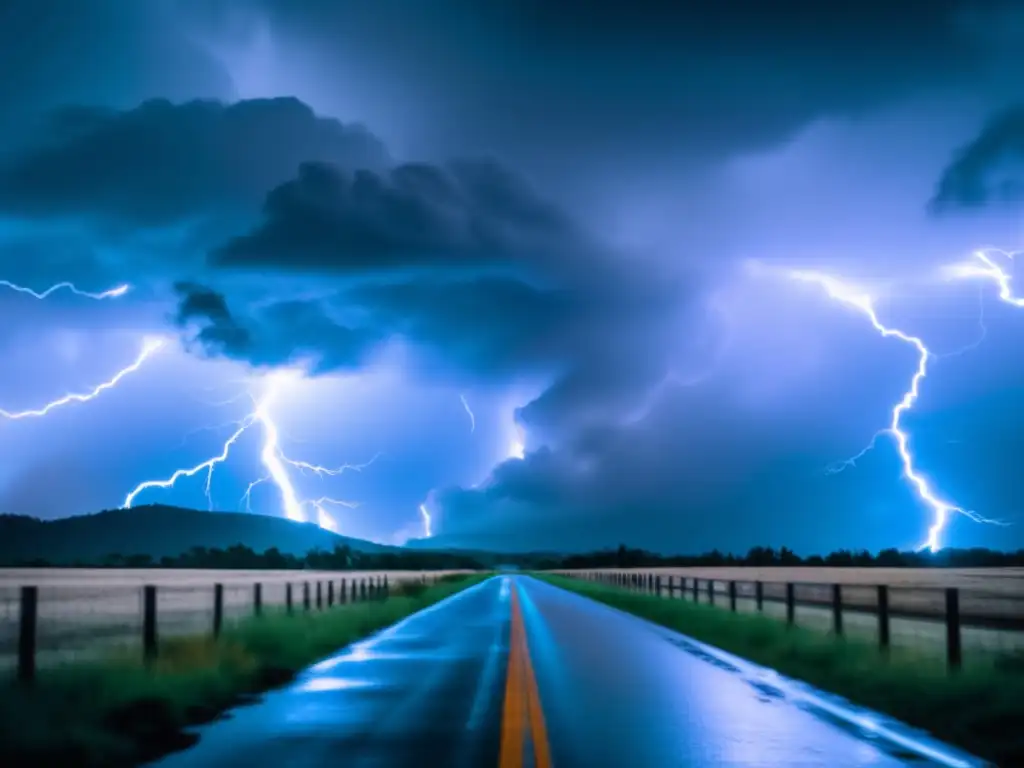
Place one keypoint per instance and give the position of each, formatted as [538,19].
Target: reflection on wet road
[514,672]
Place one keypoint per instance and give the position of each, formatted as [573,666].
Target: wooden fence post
[306,604]
[732,596]
[696,590]
[711,591]
[319,595]
[759,594]
[218,609]
[289,600]
[257,599]
[790,603]
[28,621]
[954,651]
[149,623]
[342,592]
[837,609]
[883,617]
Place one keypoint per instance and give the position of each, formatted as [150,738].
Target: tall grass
[980,708]
[120,712]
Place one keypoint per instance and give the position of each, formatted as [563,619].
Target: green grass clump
[119,712]
[979,708]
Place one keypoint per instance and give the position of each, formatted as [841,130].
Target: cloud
[339,219]
[299,239]
[987,171]
[282,333]
[162,164]
[694,469]
[479,276]
[639,87]
[133,52]
[478,273]
[490,327]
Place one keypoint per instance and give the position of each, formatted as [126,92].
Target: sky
[528,271]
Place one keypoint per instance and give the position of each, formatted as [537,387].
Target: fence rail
[94,620]
[997,618]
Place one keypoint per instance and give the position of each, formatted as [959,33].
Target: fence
[933,618]
[100,619]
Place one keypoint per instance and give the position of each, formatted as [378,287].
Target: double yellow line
[522,720]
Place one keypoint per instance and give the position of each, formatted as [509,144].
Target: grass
[120,712]
[980,708]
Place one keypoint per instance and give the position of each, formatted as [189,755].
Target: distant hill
[159,531]
[491,558]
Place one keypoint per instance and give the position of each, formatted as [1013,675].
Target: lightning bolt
[517,448]
[112,293]
[469,412]
[989,270]
[425,514]
[148,348]
[275,463]
[941,509]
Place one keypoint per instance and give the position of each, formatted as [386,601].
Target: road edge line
[867,721]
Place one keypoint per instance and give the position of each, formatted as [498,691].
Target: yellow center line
[522,715]
[513,718]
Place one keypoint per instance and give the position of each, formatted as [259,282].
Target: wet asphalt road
[515,672]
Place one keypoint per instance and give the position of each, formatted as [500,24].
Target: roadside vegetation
[767,557]
[121,712]
[979,708]
[243,558]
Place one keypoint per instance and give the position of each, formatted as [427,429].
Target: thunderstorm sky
[532,266]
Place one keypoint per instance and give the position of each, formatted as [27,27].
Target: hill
[531,559]
[160,531]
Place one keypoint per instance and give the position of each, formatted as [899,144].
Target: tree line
[624,557]
[241,557]
[345,558]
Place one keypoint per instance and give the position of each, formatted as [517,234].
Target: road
[515,672]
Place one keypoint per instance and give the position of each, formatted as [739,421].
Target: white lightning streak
[941,509]
[989,270]
[148,348]
[469,412]
[275,462]
[517,448]
[112,293]
[207,465]
[425,514]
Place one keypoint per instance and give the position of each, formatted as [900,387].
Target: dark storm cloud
[336,219]
[689,474]
[106,52]
[425,240]
[646,482]
[161,164]
[604,330]
[490,326]
[280,334]
[598,340]
[483,276]
[693,474]
[988,170]
[650,82]
[219,330]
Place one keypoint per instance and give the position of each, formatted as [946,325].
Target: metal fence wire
[48,624]
[956,622]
